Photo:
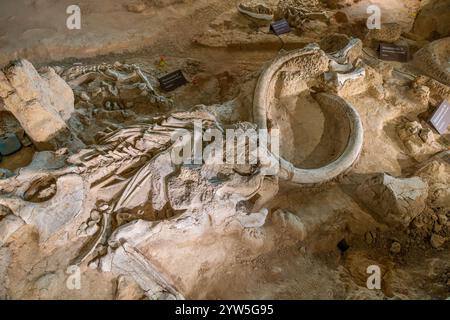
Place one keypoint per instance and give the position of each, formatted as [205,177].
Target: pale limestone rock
[62,99]
[395,200]
[39,103]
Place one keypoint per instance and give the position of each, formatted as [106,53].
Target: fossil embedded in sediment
[434,60]
[296,12]
[256,9]
[322,133]
[341,78]
[349,53]
[102,194]
[345,63]
[337,67]
[47,207]
[97,84]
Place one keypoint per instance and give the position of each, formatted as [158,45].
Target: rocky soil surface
[92,205]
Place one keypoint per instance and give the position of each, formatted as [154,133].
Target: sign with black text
[9,144]
[392,52]
[280,27]
[172,81]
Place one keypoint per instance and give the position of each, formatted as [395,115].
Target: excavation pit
[312,134]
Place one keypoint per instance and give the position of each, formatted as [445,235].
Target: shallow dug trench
[108,200]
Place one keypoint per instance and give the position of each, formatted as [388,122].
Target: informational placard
[441,117]
[392,52]
[172,81]
[280,27]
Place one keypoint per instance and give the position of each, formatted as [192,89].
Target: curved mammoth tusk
[309,63]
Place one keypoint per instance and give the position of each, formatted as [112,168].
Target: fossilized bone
[256,9]
[78,70]
[132,170]
[129,261]
[342,78]
[112,79]
[345,64]
[309,62]
[350,52]
[297,12]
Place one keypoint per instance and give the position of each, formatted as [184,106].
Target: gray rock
[9,144]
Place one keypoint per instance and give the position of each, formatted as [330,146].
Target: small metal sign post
[172,81]
[280,27]
[441,117]
[392,52]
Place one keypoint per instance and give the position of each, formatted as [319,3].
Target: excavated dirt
[312,138]
[102,194]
